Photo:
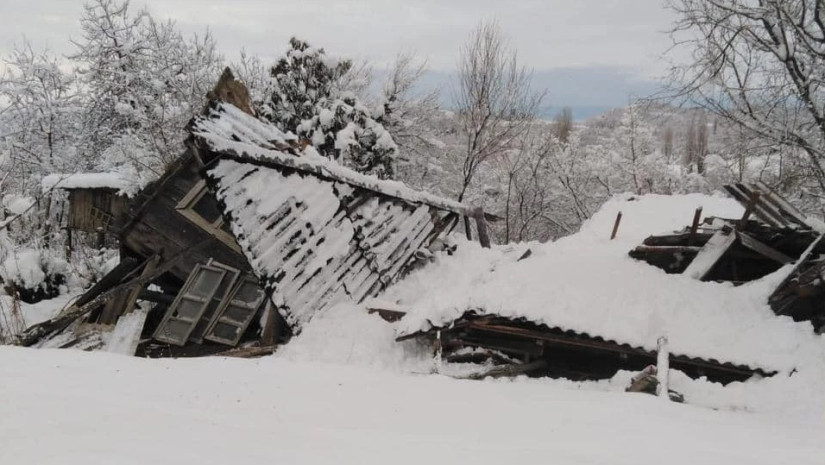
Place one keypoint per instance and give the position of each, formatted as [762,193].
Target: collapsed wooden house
[243,240]
[771,234]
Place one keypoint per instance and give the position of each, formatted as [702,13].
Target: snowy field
[70,407]
[343,391]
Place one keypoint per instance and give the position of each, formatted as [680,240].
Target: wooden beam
[751,206]
[157,297]
[390,316]
[247,352]
[123,269]
[513,369]
[763,249]
[468,230]
[710,254]
[616,226]
[481,225]
[666,249]
[268,337]
[694,226]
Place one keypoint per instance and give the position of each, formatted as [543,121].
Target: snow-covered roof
[315,242]
[588,284]
[111,180]
[228,130]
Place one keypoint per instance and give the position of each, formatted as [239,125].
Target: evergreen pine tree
[307,99]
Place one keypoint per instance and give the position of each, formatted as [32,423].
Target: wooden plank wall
[158,227]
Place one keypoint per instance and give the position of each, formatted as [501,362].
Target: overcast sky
[586,52]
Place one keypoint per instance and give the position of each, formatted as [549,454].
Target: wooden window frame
[161,334]
[234,276]
[186,208]
[229,300]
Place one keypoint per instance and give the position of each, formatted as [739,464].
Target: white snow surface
[70,407]
[588,283]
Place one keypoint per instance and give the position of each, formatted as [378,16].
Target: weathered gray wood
[112,278]
[710,254]
[481,226]
[387,315]
[694,226]
[800,262]
[763,249]
[666,249]
[247,352]
[508,370]
[73,312]
[616,226]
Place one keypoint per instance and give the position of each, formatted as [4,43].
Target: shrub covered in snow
[33,274]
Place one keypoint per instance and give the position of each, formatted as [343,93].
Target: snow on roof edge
[221,138]
[108,180]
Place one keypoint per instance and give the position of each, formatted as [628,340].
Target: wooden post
[481,225]
[269,336]
[663,367]
[616,226]
[468,230]
[749,210]
[694,226]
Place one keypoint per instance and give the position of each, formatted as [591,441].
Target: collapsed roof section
[314,232]
[771,235]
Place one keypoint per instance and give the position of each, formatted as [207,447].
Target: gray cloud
[611,43]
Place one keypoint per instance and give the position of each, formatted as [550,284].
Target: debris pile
[771,234]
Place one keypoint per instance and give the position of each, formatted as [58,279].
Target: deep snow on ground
[70,407]
[343,391]
[587,283]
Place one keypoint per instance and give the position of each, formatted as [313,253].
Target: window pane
[207,208]
[206,318]
[205,282]
[188,309]
[175,330]
[238,314]
[225,331]
[249,293]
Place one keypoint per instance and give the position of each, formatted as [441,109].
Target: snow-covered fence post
[663,367]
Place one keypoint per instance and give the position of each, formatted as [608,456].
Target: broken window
[214,305]
[223,288]
[190,304]
[236,314]
[201,208]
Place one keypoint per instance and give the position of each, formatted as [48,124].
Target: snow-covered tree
[145,81]
[309,98]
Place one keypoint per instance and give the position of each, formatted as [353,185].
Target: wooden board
[709,255]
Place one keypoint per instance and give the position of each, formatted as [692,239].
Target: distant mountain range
[587,91]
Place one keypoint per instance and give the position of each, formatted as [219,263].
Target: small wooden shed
[95,200]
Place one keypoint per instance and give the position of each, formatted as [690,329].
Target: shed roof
[106,180]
